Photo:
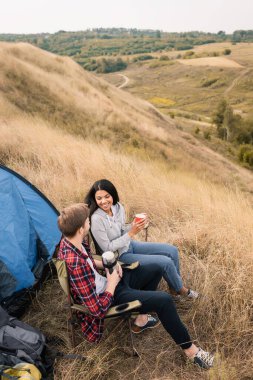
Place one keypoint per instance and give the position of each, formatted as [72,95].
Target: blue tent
[28,234]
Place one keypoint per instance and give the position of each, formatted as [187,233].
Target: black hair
[102,184]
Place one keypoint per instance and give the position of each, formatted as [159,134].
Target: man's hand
[119,270]
[113,278]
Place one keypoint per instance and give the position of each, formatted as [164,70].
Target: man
[98,292]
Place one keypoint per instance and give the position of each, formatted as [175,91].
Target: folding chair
[124,310]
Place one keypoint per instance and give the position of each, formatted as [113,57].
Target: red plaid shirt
[83,289]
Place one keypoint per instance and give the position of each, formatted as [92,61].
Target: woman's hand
[137,227]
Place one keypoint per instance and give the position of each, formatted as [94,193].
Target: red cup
[139,217]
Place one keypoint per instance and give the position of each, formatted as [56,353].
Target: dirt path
[126,80]
[236,81]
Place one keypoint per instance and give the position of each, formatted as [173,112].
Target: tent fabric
[28,229]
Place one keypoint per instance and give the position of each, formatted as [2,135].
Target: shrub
[164,58]
[182,46]
[207,135]
[144,57]
[110,65]
[213,54]
[227,52]
[248,157]
[188,54]
[246,154]
[209,82]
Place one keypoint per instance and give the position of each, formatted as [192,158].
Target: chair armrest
[131,266]
[124,308]
[113,311]
[81,308]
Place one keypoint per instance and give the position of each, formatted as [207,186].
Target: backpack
[20,342]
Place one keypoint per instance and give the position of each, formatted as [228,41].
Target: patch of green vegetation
[120,41]
[104,65]
[162,102]
[145,57]
[209,82]
[245,155]
[233,128]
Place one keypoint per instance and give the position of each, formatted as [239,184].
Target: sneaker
[203,359]
[192,294]
[151,323]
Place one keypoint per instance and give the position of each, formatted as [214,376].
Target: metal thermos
[109,260]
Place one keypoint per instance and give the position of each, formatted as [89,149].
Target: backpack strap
[4,317]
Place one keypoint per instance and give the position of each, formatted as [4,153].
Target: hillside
[190,86]
[41,86]
[195,80]
[62,138]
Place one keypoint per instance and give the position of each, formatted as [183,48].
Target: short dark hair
[72,218]
[102,184]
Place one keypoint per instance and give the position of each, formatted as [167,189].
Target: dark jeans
[140,284]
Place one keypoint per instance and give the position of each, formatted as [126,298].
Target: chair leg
[71,328]
[134,351]
[146,234]
[71,333]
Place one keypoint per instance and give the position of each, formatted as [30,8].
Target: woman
[97,292]
[111,233]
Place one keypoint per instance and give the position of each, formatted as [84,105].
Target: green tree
[218,118]
[227,52]
[228,122]
[158,34]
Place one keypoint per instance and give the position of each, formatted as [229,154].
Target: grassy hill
[43,86]
[63,128]
[189,86]
[195,82]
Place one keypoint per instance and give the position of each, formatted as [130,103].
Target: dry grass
[211,224]
[211,61]
[37,85]
[58,90]
[191,194]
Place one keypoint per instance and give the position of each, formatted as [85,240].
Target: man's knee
[164,298]
[155,268]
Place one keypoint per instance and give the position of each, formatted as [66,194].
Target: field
[211,224]
[195,84]
[188,86]
[196,199]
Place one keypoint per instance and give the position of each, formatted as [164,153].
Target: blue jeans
[165,255]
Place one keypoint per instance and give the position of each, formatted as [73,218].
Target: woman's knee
[172,249]
[166,263]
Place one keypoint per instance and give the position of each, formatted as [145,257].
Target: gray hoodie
[110,232]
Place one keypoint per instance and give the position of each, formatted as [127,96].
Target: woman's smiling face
[104,200]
